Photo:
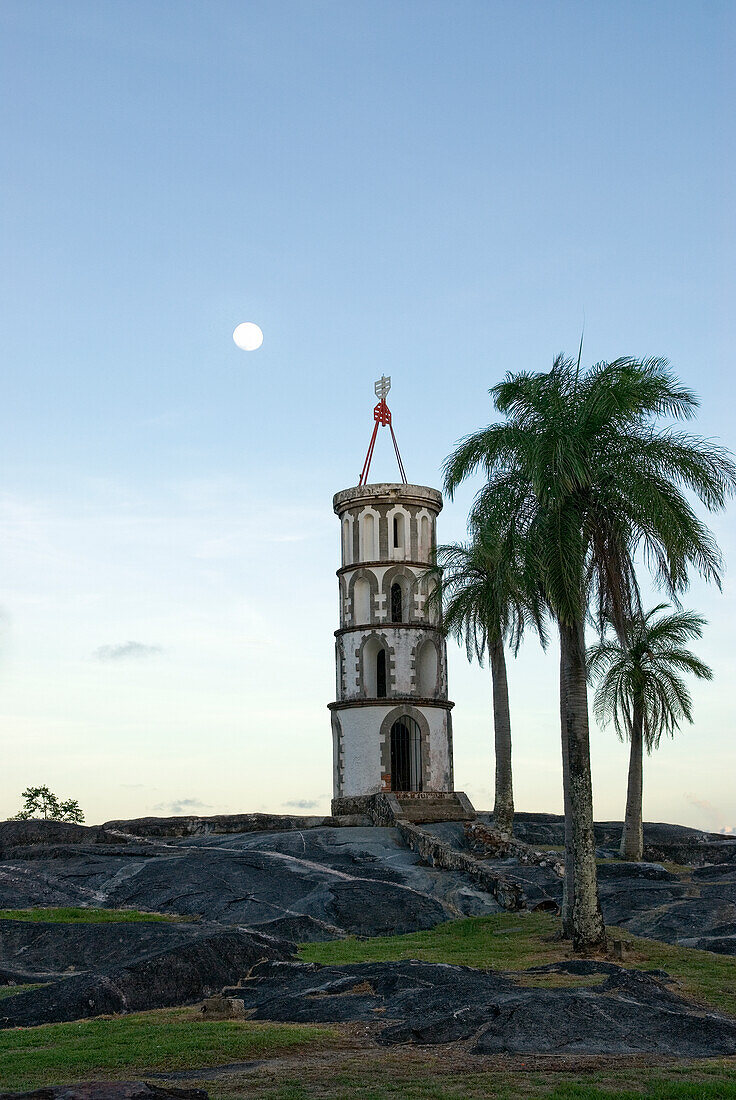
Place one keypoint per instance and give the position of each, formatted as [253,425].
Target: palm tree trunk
[632,838]
[588,929]
[568,885]
[503,810]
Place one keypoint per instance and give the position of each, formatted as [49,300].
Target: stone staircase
[431,806]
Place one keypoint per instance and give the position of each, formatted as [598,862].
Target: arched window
[361,601]
[406,755]
[398,530]
[427,667]
[347,557]
[431,605]
[367,529]
[339,667]
[397,610]
[381,674]
[374,668]
[425,547]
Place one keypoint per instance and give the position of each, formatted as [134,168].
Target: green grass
[483,1086]
[506,941]
[407,1076]
[551,980]
[81,915]
[13,990]
[168,1039]
[517,941]
[302,1062]
[677,868]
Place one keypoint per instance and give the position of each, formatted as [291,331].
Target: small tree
[43,803]
[642,691]
[70,810]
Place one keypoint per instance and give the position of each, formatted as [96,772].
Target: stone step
[434,807]
[426,816]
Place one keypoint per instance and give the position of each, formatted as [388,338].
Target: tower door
[406,755]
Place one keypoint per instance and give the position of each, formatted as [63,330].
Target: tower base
[387,807]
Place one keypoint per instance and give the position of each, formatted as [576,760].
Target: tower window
[398,530]
[381,674]
[397,615]
[367,527]
[427,666]
[362,601]
[425,546]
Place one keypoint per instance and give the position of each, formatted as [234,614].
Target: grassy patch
[409,1074]
[506,941]
[677,868]
[551,980]
[516,941]
[168,1039]
[13,990]
[81,915]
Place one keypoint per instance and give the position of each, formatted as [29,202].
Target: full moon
[248,336]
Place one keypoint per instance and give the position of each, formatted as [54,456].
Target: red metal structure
[382,417]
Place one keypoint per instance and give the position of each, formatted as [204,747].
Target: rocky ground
[246,893]
[620,1012]
[690,901]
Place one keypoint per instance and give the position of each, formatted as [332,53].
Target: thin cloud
[702,804]
[124,651]
[707,808]
[182,806]
[302,803]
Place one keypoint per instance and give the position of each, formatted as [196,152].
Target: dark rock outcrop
[322,881]
[299,929]
[683,919]
[362,881]
[43,948]
[626,1012]
[219,824]
[177,975]
[671,843]
[16,834]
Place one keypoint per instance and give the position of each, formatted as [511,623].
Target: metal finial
[382,386]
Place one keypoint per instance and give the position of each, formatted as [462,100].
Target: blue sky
[441,191]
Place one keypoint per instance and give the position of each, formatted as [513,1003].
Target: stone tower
[391,724]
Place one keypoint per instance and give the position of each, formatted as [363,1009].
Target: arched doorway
[406,755]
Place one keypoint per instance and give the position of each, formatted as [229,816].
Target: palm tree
[642,691]
[580,468]
[486,602]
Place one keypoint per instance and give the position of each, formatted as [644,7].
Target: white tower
[391,723]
